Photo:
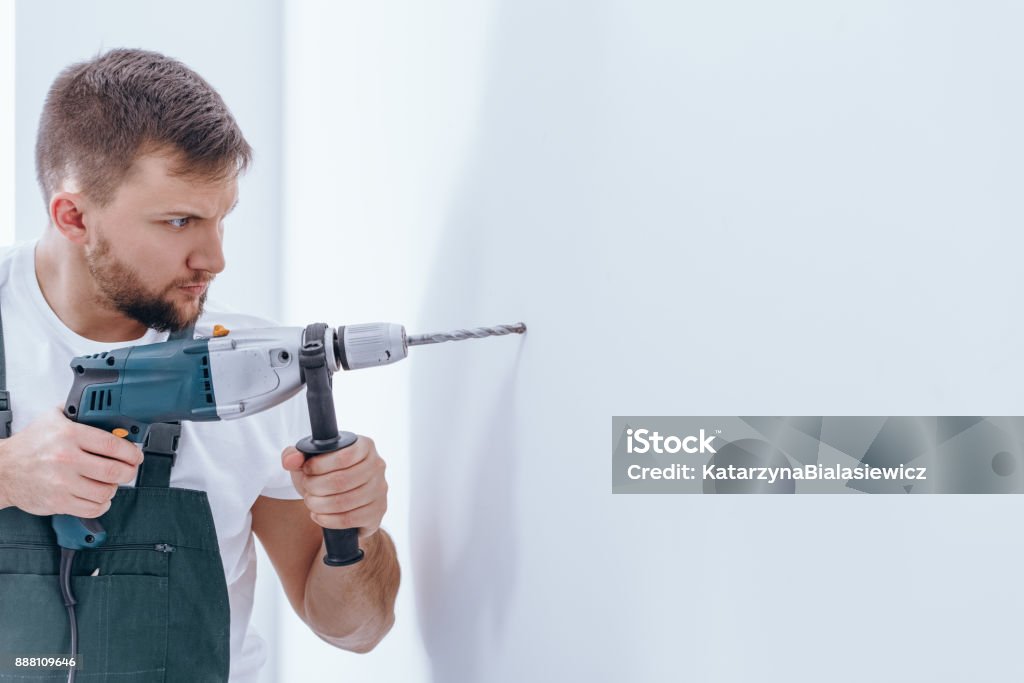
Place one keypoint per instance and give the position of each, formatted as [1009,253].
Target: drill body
[216,378]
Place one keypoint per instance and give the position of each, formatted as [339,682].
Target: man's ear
[66,213]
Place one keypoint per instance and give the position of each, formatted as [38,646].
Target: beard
[123,290]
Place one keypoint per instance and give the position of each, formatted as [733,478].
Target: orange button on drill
[220,331]
[120,432]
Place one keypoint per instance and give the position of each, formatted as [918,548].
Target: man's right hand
[57,466]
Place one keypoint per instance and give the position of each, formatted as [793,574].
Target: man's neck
[69,289]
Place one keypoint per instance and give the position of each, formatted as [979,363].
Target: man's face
[154,249]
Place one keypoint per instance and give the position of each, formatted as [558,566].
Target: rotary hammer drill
[230,375]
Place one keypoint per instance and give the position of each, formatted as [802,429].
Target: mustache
[205,280]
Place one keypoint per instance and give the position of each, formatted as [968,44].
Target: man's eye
[179,222]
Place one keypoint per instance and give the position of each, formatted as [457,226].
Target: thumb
[292,459]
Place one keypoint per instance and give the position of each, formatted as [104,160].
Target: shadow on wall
[465,548]
[513,248]
[464,467]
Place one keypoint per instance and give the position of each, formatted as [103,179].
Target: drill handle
[76,533]
[342,544]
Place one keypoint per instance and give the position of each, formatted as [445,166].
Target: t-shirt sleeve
[294,424]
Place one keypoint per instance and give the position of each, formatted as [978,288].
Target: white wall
[699,209]
[6,122]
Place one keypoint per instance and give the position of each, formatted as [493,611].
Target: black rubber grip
[342,544]
[342,547]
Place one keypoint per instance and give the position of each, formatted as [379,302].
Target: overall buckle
[162,439]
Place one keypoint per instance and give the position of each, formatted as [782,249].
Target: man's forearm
[354,607]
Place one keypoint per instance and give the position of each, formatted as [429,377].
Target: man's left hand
[342,489]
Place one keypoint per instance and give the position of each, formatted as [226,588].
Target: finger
[87,509]
[107,470]
[344,502]
[299,482]
[292,459]
[104,443]
[368,516]
[93,491]
[340,481]
[338,460]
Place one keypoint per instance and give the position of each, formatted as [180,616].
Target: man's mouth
[195,289]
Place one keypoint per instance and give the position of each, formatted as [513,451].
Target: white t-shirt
[234,461]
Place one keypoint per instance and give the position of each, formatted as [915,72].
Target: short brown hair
[102,114]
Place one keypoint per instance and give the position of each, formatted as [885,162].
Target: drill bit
[459,335]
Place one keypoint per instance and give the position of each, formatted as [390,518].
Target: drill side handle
[342,544]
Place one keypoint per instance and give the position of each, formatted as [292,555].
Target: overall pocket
[122,617]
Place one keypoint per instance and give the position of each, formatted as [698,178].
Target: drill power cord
[67,557]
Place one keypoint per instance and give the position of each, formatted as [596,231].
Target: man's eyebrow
[178,212]
[190,212]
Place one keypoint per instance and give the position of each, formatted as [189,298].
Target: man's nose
[208,254]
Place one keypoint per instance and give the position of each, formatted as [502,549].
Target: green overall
[157,610]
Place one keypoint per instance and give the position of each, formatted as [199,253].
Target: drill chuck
[372,344]
[369,345]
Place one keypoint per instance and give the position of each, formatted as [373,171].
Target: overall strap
[159,450]
[160,447]
[6,414]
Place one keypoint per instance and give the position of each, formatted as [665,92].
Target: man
[138,159]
